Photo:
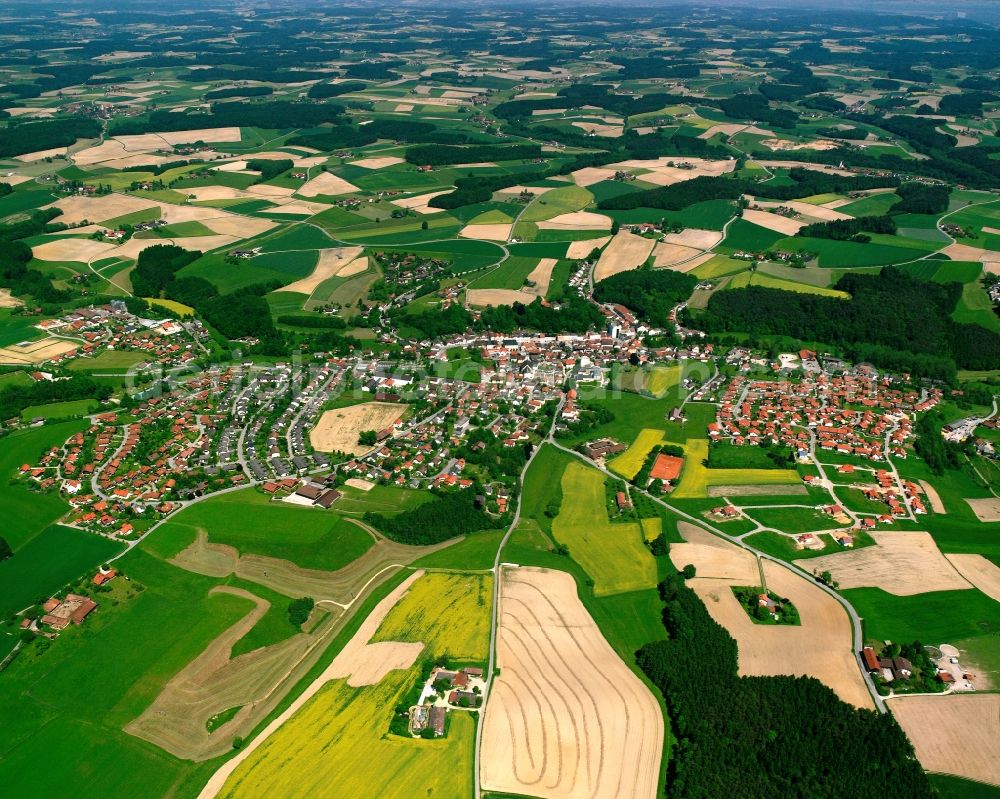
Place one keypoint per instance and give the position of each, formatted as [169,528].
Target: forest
[16,398]
[890,311]
[446,516]
[650,293]
[763,736]
[29,137]
[277,115]
[441,155]
[850,229]
[807,182]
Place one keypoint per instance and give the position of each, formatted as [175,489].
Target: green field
[938,617]
[554,202]
[60,410]
[308,537]
[47,562]
[108,361]
[28,512]
[614,555]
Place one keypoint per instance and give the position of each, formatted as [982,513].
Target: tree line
[889,314]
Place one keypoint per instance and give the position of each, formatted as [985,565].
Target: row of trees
[850,229]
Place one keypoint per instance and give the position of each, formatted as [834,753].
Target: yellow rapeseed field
[696,478]
[614,555]
[630,461]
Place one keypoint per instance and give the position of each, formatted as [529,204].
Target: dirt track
[566,717]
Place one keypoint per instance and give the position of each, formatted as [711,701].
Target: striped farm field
[746,279]
[614,555]
[630,462]
[696,479]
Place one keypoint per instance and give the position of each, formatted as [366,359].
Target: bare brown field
[494,232]
[669,254]
[498,297]
[326,184]
[693,237]
[8,300]
[537,281]
[337,430]
[329,589]
[986,510]
[330,264]
[782,145]
[732,129]
[933,497]
[207,135]
[340,664]
[903,564]
[779,224]
[625,252]
[565,717]
[982,573]
[578,220]
[821,646]
[954,734]
[713,557]
[97,209]
[419,203]
[36,352]
[756,491]
[600,129]
[378,162]
[214,682]
[581,249]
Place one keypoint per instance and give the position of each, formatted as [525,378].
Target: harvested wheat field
[982,573]
[8,300]
[380,162]
[419,203]
[334,589]
[581,249]
[693,237]
[326,184]
[566,717]
[733,129]
[668,254]
[207,135]
[495,232]
[902,564]
[954,734]
[625,252]
[933,498]
[215,682]
[341,663]
[97,209]
[821,646]
[986,510]
[713,557]
[775,222]
[578,220]
[692,263]
[338,430]
[330,264]
[498,297]
[537,281]
[35,352]
[71,249]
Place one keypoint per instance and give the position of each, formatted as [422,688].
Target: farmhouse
[74,608]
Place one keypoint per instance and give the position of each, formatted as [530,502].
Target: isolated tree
[688,571]
[5,550]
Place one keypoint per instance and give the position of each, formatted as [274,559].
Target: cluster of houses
[851,414]
[444,690]
[112,327]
